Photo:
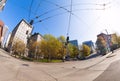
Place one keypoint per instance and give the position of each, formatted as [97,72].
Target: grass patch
[41,60]
[56,61]
[26,58]
[46,61]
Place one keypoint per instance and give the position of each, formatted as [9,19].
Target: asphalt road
[112,73]
[12,69]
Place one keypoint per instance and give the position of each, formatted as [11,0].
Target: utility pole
[67,39]
[108,41]
[67,49]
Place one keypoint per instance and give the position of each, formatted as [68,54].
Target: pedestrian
[112,50]
[63,58]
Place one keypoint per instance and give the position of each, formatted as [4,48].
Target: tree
[118,39]
[74,51]
[101,45]
[86,50]
[62,49]
[50,47]
[62,39]
[18,48]
[34,49]
[71,49]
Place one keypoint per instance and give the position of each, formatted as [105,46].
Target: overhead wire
[50,17]
[46,29]
[30,10]
[69,23]
[38,6]
[34,13]
[52,10]
[99,17]
[60,13]
[71,13]
[67,12]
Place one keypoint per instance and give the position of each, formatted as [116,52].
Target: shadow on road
[93,56]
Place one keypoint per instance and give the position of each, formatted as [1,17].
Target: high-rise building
[1,30]
[2,4]
[7,40]
[90,44]
[21,32]
[74,42]
[4,32]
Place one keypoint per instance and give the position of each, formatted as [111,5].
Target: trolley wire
[68,11]
[55,9]
[30,10]
[38,6]
[61,7]
[69,24]
[58,14]
[24,8]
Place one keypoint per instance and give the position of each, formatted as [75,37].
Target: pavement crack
[17,73]
[50,75]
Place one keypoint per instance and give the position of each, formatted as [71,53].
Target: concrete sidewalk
[83,64]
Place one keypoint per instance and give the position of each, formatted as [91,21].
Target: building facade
[1,31]
[90,44]
[21,32]
[114,41]
[74,42]
[33,40]
[36,37]
[7,40]
[4,33]
[2,4]
[103,43]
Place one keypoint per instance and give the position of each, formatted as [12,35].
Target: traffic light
[67,39]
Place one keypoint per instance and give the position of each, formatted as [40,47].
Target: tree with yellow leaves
[51,48]
[18,48]
[34,49]
[101,45]
[86,50]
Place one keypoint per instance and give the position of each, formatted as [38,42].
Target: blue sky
[90,17]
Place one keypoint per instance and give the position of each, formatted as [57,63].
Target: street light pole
[108,42]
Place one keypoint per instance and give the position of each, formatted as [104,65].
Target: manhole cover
[25,64]
[73,67]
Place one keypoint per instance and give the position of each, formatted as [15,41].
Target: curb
[105,57]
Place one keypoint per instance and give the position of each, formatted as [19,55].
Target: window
[27,32]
